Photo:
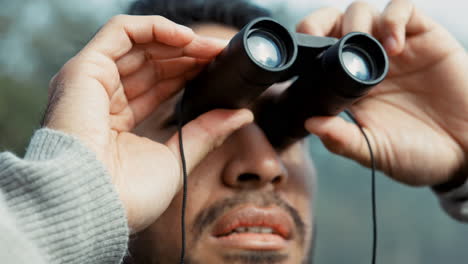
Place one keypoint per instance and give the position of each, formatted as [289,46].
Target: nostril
[246,177]
[277,180]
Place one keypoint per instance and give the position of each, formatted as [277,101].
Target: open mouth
[254,228]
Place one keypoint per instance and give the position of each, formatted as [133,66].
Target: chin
[245,257]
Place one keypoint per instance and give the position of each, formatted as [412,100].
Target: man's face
[247,202]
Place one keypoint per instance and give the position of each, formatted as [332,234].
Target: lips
[254,228]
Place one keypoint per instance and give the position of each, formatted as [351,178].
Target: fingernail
[245,115]
[313,121]
[185,29]
[390,44]
[241,117]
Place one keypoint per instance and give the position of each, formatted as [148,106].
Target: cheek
[206,178]
[300,187]
[204,186]
[302,199]
[165,232]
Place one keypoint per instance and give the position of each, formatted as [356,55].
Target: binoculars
[327,74]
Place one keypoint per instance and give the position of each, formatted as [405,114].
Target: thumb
[341,137]
[205,133]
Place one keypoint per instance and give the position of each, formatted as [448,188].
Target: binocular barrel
[328,82]
[330,75]
[257,57]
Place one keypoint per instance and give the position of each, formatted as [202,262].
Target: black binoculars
[328,76]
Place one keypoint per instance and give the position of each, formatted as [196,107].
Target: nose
[254,162]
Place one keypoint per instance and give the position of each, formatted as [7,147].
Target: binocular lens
[358,63]
[265,48]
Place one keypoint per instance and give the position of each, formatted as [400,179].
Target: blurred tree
[20,113]
[45,47]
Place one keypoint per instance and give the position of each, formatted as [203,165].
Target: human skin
[416,128]
[244,178]
[132,66]
[122,75]
[416,118]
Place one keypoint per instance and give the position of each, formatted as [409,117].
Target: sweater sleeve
[455,202]
[59,205]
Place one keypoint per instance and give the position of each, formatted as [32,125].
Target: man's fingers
[202,48]
[208,131]
[324,22]
[118,36]
[131,62]
[359,16]
[143,105]
[153,72]
[139,82]
[340,137]
[393,24]
[168,69]
[400,19]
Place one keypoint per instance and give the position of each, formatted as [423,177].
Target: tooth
[266,230]
[254,229]
[240,229]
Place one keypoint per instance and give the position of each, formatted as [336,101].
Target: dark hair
[234,13]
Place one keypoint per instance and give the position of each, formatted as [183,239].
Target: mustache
[209,215]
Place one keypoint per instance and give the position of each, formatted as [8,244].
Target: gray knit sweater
[57,205]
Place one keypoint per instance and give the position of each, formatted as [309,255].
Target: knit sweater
[58,205]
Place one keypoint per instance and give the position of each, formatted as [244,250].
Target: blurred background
[38,36]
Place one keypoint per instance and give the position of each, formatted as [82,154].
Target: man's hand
[417,119]
[131,66]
